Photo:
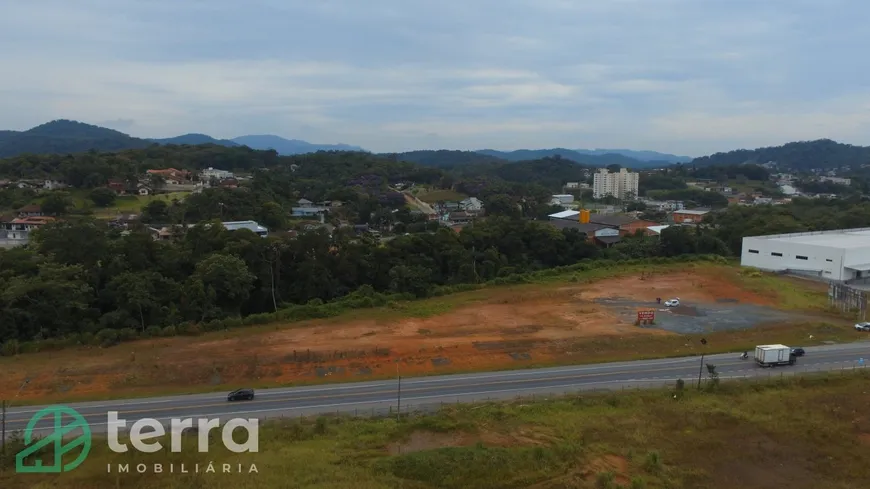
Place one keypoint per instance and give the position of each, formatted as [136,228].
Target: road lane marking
[375,384]
[384,392]
[539,375]
[388,400]
[551,390]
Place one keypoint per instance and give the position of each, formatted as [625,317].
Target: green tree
[53,303]
[102,196]
[155,211]
[273,216]
[139,293]
[57,203]
[226,278]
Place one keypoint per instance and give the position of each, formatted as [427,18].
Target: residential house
[17,231]
[171,175]
[459,217]
[143,189]
[164,233]
[123,220]
[471,204]
[53,185]
[306,208]
[689,216]
[118,186]
[448,206]
[31,210]
[229,183]
[360,229]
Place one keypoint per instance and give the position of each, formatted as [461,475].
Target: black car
[241,395]
[798,352]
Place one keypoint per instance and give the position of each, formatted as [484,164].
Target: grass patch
[433,196]
[792,293]
[803,432]
[123,203]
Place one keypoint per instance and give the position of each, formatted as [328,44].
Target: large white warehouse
[838,255]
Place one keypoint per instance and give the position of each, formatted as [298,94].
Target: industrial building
[840,255]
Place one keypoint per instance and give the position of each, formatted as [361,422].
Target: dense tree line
[82,276]
[813,186]
[692,197]
[82,279]
[734,223]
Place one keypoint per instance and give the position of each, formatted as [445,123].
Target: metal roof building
[564,215]
[252,225]
[838,255]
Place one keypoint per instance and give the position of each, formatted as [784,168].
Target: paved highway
[429,392]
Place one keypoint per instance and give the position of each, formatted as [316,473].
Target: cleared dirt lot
[487,329]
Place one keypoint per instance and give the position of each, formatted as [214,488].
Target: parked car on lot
[241,395]
[798,352]
[672,303]
[862,326]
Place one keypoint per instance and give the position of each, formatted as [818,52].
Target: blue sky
[682,76]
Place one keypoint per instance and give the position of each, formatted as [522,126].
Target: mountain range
[66,136]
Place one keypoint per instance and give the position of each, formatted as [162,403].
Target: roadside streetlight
[701,367]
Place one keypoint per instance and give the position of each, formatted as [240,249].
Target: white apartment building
[210,173]
[622,185]
[837,180]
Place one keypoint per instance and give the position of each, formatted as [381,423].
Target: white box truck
[771,355]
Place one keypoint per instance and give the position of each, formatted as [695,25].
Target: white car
[672,303]
[862,327]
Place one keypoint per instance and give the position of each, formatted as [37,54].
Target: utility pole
[701,367]
[399,394]
[3,427]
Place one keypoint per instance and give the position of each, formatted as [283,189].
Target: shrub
[10,348]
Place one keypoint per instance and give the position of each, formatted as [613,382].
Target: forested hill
[65,136]
[194,139]
[445,158]
[324,168]
[455,159]
[597,160]
[800,156]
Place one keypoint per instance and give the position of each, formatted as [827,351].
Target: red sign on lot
[646,315]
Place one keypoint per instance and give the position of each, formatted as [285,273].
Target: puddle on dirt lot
[723,315]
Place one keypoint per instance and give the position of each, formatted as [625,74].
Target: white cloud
[684,76]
